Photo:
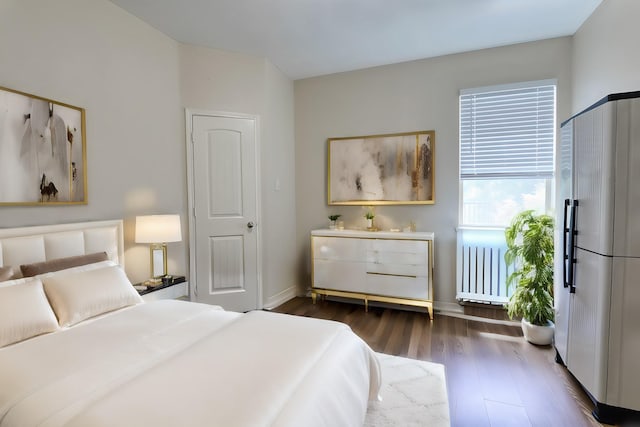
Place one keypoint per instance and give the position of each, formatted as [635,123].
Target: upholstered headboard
[27,245]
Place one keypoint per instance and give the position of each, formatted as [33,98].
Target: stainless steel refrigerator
[597,291]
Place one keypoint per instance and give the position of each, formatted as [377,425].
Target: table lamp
[158,230]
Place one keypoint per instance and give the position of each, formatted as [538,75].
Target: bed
[78,347]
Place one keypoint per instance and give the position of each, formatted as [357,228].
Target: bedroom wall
[216,80]
[278,172]
[91,54]
[129,78]
[418,95]
[605,58]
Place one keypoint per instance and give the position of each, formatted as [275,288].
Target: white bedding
[174,363]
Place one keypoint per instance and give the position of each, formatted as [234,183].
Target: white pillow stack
[37,305]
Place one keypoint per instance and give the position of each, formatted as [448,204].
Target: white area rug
[414,393]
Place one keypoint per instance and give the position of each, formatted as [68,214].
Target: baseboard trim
[443,307]
[280,298]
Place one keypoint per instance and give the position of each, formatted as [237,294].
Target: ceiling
[306,38]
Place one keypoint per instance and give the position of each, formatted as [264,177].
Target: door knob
[250,225]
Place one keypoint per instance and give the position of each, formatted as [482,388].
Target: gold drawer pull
[393,275]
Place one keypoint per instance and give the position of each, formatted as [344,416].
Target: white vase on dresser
[393,267]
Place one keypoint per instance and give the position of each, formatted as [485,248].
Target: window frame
[549,181]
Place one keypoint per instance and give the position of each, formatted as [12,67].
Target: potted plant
[530,251]
[369,215]
[332,221]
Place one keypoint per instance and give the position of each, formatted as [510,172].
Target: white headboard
[26,245]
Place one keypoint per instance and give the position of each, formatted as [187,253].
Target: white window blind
[507,132]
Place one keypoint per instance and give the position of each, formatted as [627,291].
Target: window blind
[507,133]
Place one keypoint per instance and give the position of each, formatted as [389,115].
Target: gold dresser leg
[314,296]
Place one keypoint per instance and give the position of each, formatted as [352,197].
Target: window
[507,138]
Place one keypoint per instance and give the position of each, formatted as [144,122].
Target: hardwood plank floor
[494,377]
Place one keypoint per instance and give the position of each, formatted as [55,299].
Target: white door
[225,231]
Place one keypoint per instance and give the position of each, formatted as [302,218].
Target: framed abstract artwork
[42,151]
[393,169]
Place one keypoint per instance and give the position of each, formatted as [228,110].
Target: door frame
[190,113]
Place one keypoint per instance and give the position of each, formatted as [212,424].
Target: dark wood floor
[494,377]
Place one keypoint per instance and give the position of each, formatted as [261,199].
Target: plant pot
[369,222]
[332,225]
[540,335]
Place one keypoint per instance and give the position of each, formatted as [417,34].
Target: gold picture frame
[390,169]
[42,151]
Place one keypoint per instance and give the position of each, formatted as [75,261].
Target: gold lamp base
[158,228]
[158,255]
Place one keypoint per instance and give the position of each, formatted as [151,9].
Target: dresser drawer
[397,252]
[398,286]
[398,269]
[387,257]
[339,275]
[399,246]
[339,248]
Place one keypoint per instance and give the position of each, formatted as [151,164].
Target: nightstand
[178,288]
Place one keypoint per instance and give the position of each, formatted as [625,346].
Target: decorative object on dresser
[369,215]
[158,230]
[332,221]
[379,266]
[392,169]
[45,139]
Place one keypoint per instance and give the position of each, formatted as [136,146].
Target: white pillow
[24,311]
[79,295]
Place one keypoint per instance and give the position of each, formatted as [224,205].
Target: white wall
[605,53]
[419,95]
[134,83]
[91,54]
[278,190]
[216,80]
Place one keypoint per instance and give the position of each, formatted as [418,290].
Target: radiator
[481,270]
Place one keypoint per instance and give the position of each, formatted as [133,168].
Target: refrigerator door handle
[565,251]
[572,248]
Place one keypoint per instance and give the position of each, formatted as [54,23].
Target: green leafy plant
[530,252]
[369,215]
[334,217]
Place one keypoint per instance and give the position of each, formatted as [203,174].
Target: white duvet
[173,363]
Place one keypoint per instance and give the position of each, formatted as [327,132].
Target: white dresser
[373,266]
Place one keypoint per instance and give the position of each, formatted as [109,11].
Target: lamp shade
[158,229]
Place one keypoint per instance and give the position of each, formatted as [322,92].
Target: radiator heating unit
[481,274]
